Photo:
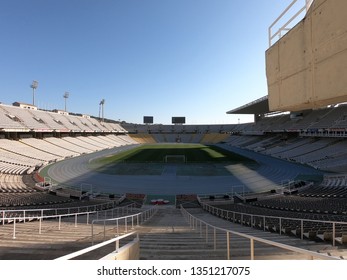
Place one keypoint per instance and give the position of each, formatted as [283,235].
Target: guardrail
[140,218]
[266,221]
[26,214]
[197,223]
[98,246]
[287,12]
[77,217]
[127,221]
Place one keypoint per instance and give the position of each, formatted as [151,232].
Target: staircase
[240,247]
[166,236]
[50,244]
[31,244]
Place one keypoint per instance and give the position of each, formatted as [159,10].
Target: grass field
[150,160]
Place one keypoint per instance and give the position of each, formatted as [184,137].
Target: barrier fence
[266,222]
[126,223]
[292,12]
[129,222]
[26,214]
[206,228]
[84,217]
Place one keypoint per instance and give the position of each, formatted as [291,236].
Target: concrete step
[166,236]
[161,243]
[52,242]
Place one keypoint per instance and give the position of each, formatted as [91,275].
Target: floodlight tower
[34,86]
[102,102]
[66,96]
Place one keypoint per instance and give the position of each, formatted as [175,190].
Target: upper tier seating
[13,117]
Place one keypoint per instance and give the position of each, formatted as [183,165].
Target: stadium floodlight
[66,96]
[101,106]
[34,86]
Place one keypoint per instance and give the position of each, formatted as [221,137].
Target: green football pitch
[193,159]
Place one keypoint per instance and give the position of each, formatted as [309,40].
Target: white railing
[292,10]
[126,223]
[204,227]
[129,222]
[98,246]
[27,214]
[267,221]
[76,218]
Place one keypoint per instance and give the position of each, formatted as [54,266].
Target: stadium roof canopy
[257,107]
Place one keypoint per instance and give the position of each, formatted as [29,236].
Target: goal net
[175,159]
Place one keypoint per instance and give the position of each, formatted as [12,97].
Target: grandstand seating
[211,138]
[13,184]
[322,153]
[62,136]
[265,136]
[21,200]
[9,121]
[14,169]
[326,202]
[18,157]
[122,139]
[143,138]
[47,147]
[315,137]
[27,118]
[75,136]
[13,117]
[33,138]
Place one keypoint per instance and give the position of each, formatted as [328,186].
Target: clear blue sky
[161,58]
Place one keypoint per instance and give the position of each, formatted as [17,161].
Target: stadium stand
[31,138]
[29,145]
[143,138]
[211,138]
[9,121]
[13,183]
[319,206]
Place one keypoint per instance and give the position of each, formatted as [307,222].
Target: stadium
[81,187]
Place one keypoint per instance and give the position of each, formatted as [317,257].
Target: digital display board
[147,119]
[176,120]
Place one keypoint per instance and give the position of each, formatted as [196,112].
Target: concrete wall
[307,68]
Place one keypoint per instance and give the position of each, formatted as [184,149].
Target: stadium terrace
[86,185]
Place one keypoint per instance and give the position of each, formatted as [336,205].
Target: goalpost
[175,159]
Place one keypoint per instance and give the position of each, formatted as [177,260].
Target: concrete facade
[307,68]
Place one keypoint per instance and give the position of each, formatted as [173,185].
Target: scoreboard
[148,119]
[178,120]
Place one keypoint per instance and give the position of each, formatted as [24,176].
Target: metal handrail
[16,220]
[97,246]
[139,217]
[145,214]
[284,27]
[69,209]
[213,210]
[193,221]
